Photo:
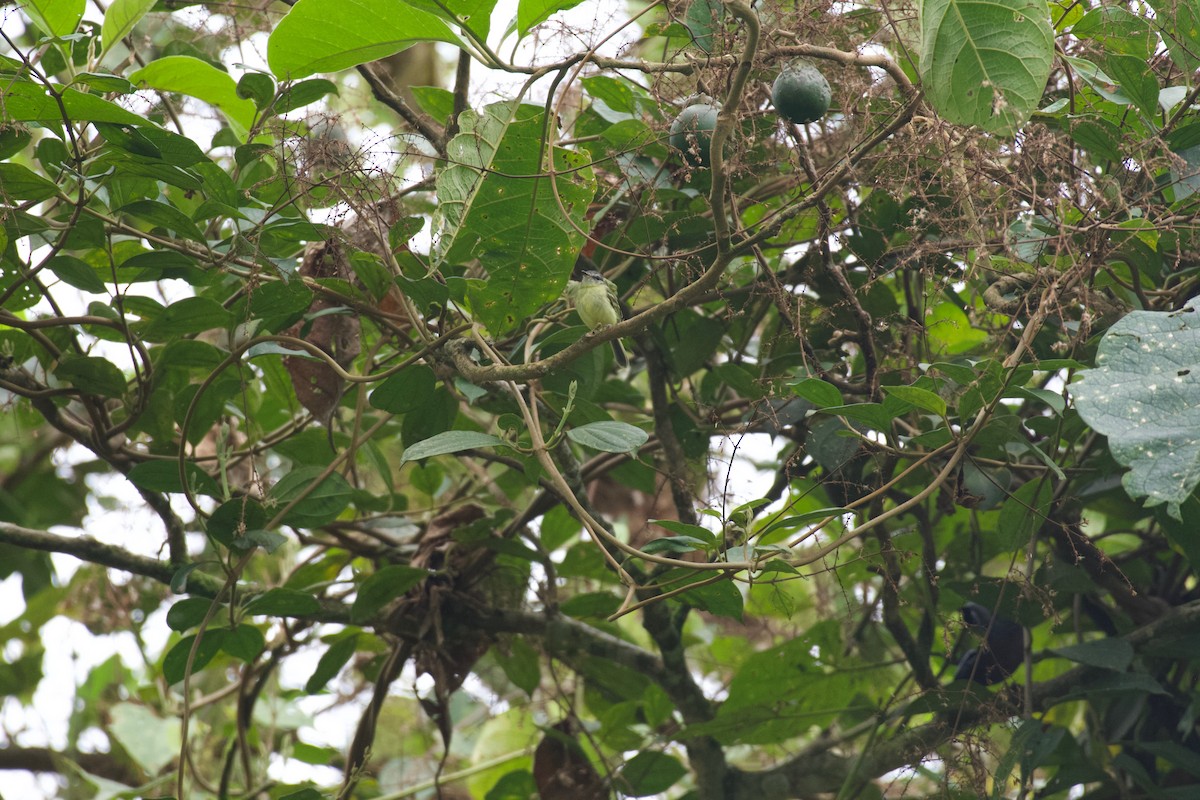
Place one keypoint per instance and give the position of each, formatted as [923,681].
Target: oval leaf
[305,42]
[609,436]
[283,603]
[449,442]
[1114,654]
[650,773]
[382,587]
[176,660]
[331,663]
[320,505]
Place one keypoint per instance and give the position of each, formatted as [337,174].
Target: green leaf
[985,63]
[179,580]
[405,391]
[331,663]
[382,587]
[320,506]
[1109,653]
[950,332]
[985,488]
[535,12]
[150,740]
[873,414]
[305,42]
[1029,730]
[1022,514]
[163,476]
[703,18]
[26,101]
[1117,30]
[1179,25]
[282,603]
[165,216]
[1109,683]
[921,398]
[649,773]
[119,20]
[472,15]
[189,315]
[13,140]
[1187,183]
[591,604]
[234,518]
[781,692]
[201,80]
[800,520]
[76,272]
[437,103]
[244,642]
[256,87]
[817,392]
[187,613]
[21,183]
[176,660]
[524,231]
[687,529]
[676,544]
[1140,395]
[55,17]
[269,541]
[92,375]
[521,664]
[303,93]
[1136,81]
[609,436]
[449,442]
[721,598]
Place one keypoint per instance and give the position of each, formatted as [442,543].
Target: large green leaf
[1142,396]
[609,436]
[779,693]
[319,505]
[307,41]
[986,63]
[535,12]
[449,442]
[150,740]
[473,15]
[1178,22]
[498,206]
[21,183]
[649,773]
[120,18]
[25,101]
[201,80]
[56,17]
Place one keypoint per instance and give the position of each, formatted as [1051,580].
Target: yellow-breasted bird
[595,298]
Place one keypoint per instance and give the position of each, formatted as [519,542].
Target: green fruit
[800,93]
[691,132]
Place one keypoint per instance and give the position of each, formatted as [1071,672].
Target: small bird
[1001,651]
[595,298]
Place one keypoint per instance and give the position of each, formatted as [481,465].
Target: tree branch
[43,759]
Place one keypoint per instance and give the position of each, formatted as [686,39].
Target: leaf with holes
[1141,395]
[985,63]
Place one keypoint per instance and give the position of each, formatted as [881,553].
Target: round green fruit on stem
[691,132]
[800,93]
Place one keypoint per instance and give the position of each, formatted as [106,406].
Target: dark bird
[1001,650]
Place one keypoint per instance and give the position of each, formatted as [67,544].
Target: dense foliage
[412,530]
